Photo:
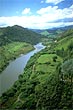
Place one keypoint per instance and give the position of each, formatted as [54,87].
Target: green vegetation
[47,62]
[11,51]
[17,33]
[45,33]
[14,41]
[50,35]
[62,43]
[47,81]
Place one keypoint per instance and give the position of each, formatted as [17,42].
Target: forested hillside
[47,82]
[14,41]
[17,33]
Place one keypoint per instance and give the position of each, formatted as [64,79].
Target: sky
[36,14]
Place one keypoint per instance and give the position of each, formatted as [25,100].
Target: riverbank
[11,51]
[46,82]
[15,68]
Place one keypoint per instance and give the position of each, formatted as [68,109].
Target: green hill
[14,41]
[45,33]
[47,81]
[17,33]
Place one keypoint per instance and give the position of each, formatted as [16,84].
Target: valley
[47,80]
[11,51]
[13,42]
[15,68]
[36,54]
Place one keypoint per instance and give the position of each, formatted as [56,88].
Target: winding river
[15,68]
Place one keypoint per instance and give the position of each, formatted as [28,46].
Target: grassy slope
[62,43]
[11,51]
[40,86]
[45,33]
[46,63]
[51,35]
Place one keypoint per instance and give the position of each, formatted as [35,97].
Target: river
[15,68]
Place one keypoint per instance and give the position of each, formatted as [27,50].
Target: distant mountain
[38,30]
[53,30]
[61,28]
[18,33]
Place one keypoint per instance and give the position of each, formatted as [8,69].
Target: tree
[54,58]
[67,70]
[70,46]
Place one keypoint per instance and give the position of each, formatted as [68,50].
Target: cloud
[26,11]
[47,10]
[47,17]
[42,1]
[54,1]
[34,22]
[53,13]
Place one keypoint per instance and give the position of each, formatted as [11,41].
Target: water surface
[15,68]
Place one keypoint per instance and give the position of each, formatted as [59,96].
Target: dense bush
[67,70]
